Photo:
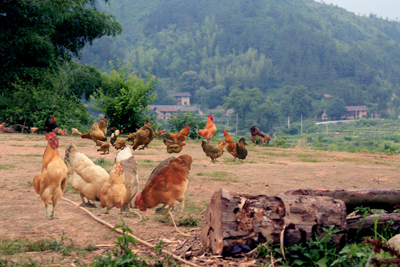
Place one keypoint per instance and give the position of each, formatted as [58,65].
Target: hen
[256,133]
[49,126]
[129,166]
[83,175]
[213,151]
[34,129]
[114,137]
[103,125]
[209,131]
[51,182]
[120,143]
[4,129]
[179,137]
[95,134]
[160,133]
[168,185]
[75,131]
[105,147]
[113,191]
[241,151]
[142,137]
[172,147]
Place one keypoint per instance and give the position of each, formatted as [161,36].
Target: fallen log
[239,221]
[364,225]
[386,199]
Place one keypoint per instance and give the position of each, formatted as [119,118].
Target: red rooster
[210,129]
[49,126]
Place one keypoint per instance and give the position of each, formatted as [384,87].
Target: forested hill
[212,46]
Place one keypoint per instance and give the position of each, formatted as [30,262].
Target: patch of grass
[383,163]
[70,189]
[220,176]
[26,155]
[193,208]
[17,145]
[162,218]
[16,139]
[39,146]
[309,159]
[6,166]
[65,245]
[189,221]
[102,162]
[276,154]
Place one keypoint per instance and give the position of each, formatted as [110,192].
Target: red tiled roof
[357,108]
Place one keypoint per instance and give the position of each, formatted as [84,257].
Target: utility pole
[288,122]
[237,117]
[301,124]
[326,128]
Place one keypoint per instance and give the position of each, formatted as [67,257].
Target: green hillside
[211,47]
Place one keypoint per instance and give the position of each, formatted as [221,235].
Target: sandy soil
[268,171]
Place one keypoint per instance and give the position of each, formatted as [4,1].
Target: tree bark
[238,221]
[364,225]
[386,199]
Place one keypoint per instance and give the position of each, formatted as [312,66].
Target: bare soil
[266,170]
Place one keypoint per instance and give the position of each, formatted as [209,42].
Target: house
[354,112]
[183,98]
[165,111]
[324,116]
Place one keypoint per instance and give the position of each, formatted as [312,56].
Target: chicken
[83,175]
[179,137]
[105,147]
[230,145]
[4,129]
[172,147]
[209,131]
[142,137]
[34,129]
[129,166]
[49,126]
[213,151]
[103,125]
[51,182]
[120,143]
[57,131]
[114,137]
[167,185]
[241,151]
[64,132]
[94,134]
[113,191]
[160,133]
[256,133]
[75,131]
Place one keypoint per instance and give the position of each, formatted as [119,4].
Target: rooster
[229,144]
[113,191]
[179,137]
[213,151]
[51,182]
[49,126]
[209,131]
[167,185]
[142,137]
[83,175]
[256,133]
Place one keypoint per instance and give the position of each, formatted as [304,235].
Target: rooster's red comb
[50,135]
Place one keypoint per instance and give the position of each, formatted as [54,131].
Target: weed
[162,219]
[27,155]
[70,189]
[6,166]
[309,159]
[102,162]
[188,221]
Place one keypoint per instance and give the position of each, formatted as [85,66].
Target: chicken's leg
[88,204]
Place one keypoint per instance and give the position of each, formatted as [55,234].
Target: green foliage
[122,254]
[279,141]
[336,108]
[38,35]
[189,222]
[125,97]
[179,120]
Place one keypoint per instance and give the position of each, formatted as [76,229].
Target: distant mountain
[268,44]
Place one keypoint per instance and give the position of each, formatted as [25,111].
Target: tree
[40,34]
[125,97]
[297,103]
[266,114]
[179,120]
[38,39]
[336,108]
[243,101]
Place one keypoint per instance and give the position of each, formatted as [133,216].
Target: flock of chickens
[167,183]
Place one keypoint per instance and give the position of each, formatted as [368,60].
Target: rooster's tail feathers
[69,151]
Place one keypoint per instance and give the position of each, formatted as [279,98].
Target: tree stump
[386,199]
[247,220]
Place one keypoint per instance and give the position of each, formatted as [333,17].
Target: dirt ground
[267,170]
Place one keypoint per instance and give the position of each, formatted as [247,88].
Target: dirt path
[22,211]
